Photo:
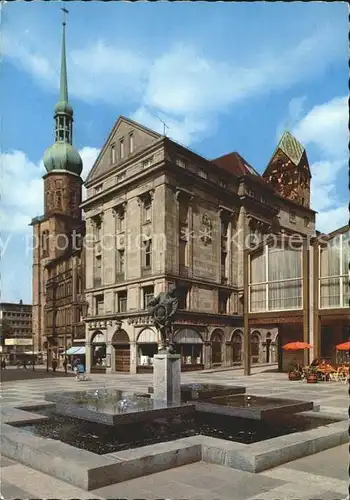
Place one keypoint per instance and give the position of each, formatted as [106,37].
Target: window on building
[147,210]
[147,253]
[120,219]
[98,271]
[98,230]
[183,294]
[223,301]
[121,147]
[58,199]
[131,143]
[223,183]
[99,305]
[223,265]
[148,295]
[292,217]
[113,155]
[98,189]
[306,221]
[120,261]
[183,212]
[183,253]
[202,173]
[122,301]
[45,244]
[251,193]
[147,163]
[181,162]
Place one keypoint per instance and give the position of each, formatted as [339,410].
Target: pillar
[133,357]
[228,350]
[88,358]
[306,299]
[246,354]
[207,355]
[110,358]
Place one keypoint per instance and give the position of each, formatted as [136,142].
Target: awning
[75,351]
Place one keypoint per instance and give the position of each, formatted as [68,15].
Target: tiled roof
[235,164]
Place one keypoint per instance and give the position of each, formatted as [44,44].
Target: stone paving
[323,476]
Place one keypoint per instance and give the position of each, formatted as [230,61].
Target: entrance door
[122,358]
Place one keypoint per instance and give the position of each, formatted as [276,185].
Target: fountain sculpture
[166,364]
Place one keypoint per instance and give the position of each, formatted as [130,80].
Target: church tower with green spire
[61,160]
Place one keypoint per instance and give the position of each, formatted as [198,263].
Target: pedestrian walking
[24,364]
[54,365]
[3,364]
[65,363]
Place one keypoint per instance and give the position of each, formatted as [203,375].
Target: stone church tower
[288,171]
[62,198]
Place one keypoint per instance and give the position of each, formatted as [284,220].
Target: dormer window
[98,189]
[202,173]
[292,217]
[131,143]
[222,183]
[113,155]
[121,146]
[181,162]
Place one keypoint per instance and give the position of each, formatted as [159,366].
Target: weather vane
[65,12]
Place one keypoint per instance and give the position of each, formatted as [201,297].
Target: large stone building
[158,213]
[15,330]
[58,260]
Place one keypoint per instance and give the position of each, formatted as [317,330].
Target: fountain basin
[113,407]
[193,392]
[103,439]
[252,407]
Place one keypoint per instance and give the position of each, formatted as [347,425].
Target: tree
[6,330]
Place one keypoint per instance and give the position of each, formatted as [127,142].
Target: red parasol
[296,346]
[343,347]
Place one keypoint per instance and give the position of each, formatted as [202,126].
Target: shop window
[237,348]
[216,347]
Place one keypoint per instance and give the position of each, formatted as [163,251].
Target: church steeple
[61,155]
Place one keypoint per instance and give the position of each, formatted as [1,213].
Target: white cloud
[326,126]
[23,188]
[324,184]
[329,220]
[181,82]
[295,112]
[183,130]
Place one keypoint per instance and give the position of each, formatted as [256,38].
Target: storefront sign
[26,342]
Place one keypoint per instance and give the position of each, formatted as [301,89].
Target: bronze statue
[163,309]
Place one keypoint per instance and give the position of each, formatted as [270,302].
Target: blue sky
[224,77]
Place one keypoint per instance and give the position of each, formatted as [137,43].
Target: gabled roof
[112,133]
[235,164]
[291,147]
